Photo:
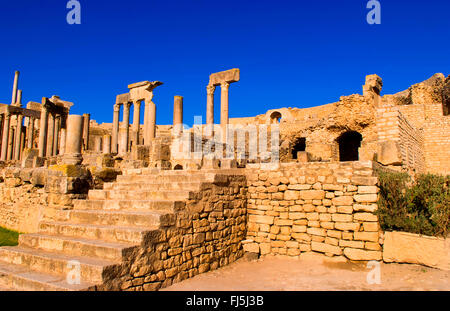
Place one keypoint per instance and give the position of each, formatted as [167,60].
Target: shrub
[8,237]
[418,206]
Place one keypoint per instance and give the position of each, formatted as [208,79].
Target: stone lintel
[149,85]
[230,76]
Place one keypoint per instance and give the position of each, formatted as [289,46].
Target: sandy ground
[314,273]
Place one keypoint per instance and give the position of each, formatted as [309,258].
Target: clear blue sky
[291,53]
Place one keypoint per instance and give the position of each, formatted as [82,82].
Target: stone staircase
[98,233]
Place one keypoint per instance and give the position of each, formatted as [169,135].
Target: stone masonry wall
[393,126]
[321,207]
[203,235]
[28,196]
[437,140]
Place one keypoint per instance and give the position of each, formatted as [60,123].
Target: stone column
[98,144]
[15,85]
[224,109]
[136,122]
[106,144]
[74,140]
[210,109]
[50,134]
[151,131]
[126,122]
[30,133]
[62,143]
[86,122]
[43,128]
[6,124]
[11,140]
[17,138]
[115,129]
[178,115]
[122,141]
[56,135]
[19,98]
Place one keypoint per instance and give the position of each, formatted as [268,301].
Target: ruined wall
[437,140]
[321,207]
[203,235]
[392,126]
[28,196]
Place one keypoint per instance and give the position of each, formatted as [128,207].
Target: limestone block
[389,153]
[326,248]
[365,207]
[291,195]
[365,217]
[360,254]
[406,247]
[366,198]
[312,194]
[347,226]
[366,236]
[342,200]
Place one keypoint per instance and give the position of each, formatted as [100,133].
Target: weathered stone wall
[393,126]
[322,207]
[28,196]
[437,140]
[201,236]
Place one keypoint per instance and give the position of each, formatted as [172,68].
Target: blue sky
[291,53]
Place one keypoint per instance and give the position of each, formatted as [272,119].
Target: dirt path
[314,273]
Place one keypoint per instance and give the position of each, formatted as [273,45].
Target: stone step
[192,186]
[133,235]
[161,205]
[77,246]
[139,195]
[21,278]
[145,219]
[91,269]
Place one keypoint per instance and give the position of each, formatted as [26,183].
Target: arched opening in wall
[300,145]
[275,117]
[177,167]
[349,143]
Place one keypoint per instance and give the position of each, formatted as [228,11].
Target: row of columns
[224,115]
[52,133]
[15,137]
[149,124]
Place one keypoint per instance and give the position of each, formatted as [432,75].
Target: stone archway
[275,117]
[349,143]
[178,167]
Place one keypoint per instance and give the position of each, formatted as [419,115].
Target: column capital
[224,86]
[210,89]
[117,107]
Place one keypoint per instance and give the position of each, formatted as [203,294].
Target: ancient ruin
[140,206]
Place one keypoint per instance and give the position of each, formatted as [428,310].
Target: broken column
[86,122]
[50,134]
[43,127]
[115,129]
[74,139]
[106,148]
[126,124]
[6,124]
[136,121]
[151,130]
[17,139]
[30,133]
[15,85]
[178,115]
